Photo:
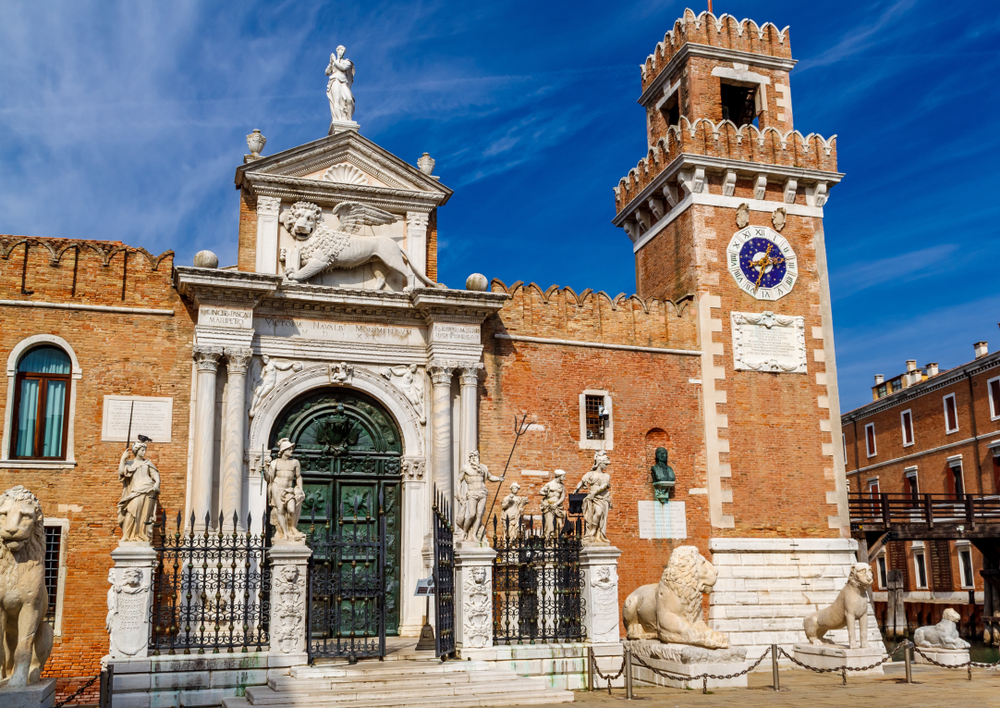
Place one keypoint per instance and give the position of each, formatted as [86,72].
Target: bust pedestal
[830,656]
[35,695]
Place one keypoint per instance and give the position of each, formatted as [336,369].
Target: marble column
[469,433]
[207,363]
[231,483]
[441,373]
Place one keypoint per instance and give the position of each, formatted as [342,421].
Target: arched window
[41,404]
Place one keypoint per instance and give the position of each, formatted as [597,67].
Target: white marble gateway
[769,342]
[147,415]
[658,520]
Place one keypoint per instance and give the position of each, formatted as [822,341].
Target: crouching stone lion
[26,636]
[670,610]
[943,635]
[851,605]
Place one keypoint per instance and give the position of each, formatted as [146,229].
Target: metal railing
[537,584]
[897,508]
[211,587]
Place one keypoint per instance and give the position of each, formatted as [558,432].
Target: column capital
[237,359]
[470,372]
[441,372]
[207,358]
[417,220]
[268,206]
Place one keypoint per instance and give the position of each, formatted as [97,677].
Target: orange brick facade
[142,353]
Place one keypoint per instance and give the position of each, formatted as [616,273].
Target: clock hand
[763,262]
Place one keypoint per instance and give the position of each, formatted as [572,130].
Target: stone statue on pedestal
[338,88]
[553,495]
[663,476]
[511,510]
[284,493]
[472,497]
[850,606]
[27,637]
[944,634]
[597,503]
[140,490]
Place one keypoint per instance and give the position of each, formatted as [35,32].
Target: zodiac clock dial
[762,262]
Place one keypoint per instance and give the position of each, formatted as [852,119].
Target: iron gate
[444,577]
[347,586]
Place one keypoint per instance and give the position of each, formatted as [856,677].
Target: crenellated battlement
[724,140]
[561,312]
[723,31]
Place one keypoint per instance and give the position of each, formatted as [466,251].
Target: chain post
[908,659]
[590,668]
[704,683]
[774,667]
[843,674]
[628,673]
[970,670]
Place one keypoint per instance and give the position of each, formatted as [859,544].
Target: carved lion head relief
[302,219]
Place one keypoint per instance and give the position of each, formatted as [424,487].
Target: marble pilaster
[231,483]
[129,598]
[267,234]
[474,596]
[469,387]
[289,575]
[416,240]
[207,364]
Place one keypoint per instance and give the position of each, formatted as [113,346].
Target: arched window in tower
[41,404]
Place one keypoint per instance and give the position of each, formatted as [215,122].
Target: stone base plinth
[36,695]
[948,657]
[831,656]
[685,663]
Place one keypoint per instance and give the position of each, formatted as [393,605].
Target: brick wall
[121,354]
[247,253]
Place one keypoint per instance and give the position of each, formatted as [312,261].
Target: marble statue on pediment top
[338,88]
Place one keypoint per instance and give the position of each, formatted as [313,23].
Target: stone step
[413,700]
[265,695]
[380,668]
[395,680]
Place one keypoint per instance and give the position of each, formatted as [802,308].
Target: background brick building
[930,432]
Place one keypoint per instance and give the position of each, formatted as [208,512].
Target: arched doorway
[350,450]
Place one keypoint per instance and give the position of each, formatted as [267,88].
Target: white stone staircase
[403,684]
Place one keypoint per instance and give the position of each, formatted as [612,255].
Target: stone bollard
[129,599]
[600,601]
[474,596]
[289,575]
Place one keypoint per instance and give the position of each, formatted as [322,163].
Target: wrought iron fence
[537,583]
[444,576]
[211,587]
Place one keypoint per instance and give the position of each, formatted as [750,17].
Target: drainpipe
[975,433]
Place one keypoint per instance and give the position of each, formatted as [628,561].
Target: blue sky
[126,121]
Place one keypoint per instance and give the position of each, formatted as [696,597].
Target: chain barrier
[704,677]
[77,693]
[601,674]
[842,670]
[964,665]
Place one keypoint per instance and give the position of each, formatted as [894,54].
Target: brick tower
[727,207]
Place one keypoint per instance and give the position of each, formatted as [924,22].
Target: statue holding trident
[338,88]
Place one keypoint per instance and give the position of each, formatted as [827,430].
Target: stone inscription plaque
[769,342]
[459,334]
[150,416]
[338,331]
[225,317]
[658,520]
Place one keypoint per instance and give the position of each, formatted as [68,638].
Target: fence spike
[208,521]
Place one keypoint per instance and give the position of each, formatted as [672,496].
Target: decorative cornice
[691,49]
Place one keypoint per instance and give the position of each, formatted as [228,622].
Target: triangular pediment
[343,161]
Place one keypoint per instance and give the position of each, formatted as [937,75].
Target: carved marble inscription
[658,520]
[225,317]
[149,416]
[769,342]
[459,334]
[338,331]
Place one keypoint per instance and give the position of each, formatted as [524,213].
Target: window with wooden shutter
[895,551]
[940,556]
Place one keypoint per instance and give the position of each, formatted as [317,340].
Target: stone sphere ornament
[206,259]
[477,282]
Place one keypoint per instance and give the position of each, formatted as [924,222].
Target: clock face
[762,262]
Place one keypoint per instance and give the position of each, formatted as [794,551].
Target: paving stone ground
[932,688]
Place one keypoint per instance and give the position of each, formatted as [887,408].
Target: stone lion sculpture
[27,637]
[943,635]
[325,249]
[670,610]
[851,605]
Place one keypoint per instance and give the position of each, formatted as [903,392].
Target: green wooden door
[349,448]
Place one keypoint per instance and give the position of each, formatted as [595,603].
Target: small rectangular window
[882,391]
[53,546]
[870,440]
[956,483]
[906,418]
[965,565]
[595,420]
[920,565]
[883,581]
[950,414]
[912,487]
[897,385]
[994,388]
[843,439]
[739,103]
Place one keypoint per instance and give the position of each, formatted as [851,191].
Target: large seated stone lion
[670,610]
[27,637]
